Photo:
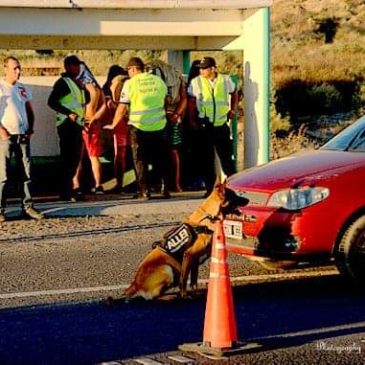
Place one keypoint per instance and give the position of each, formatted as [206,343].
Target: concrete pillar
[256,87]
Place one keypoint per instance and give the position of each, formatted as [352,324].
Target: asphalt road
[57,273]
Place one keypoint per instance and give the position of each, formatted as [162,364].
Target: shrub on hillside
[295,141]
[279,123]
[298,97]
[325,98]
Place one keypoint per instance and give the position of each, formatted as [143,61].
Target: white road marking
[40,293]
[181,359]
[316,331]
[246,278]
[147,361]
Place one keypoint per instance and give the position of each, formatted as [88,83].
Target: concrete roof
[138,4]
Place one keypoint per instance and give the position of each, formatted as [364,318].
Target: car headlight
[298,198]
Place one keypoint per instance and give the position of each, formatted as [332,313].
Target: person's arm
[101,112]
[122,107]
[121,111]
[192,109]
[179,111]
[110,102]
[116,87]
[234,104]
[96,98]
[4,135]
[30,116]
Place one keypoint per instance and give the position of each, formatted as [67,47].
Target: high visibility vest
[212,103]
[74,101]
[147,94]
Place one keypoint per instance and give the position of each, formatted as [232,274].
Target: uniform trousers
[218,139]
[149,148]
[71,146]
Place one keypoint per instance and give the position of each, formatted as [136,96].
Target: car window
[359,143]
[351,138]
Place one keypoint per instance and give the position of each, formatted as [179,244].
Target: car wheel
[350,255]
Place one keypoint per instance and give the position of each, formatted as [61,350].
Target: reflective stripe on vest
[212,103]
[74,101]
[147,94]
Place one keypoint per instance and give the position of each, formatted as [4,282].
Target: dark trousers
[19,146]
[218,138]
[149,148]
[71,144]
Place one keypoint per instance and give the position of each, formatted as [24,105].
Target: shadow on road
[277,314]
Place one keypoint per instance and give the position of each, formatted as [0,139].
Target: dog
[184,248]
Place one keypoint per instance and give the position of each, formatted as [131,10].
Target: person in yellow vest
[144,95]
[68,98]
[213,101]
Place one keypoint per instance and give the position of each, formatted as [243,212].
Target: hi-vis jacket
[74,101]
[147,94]
[212,103]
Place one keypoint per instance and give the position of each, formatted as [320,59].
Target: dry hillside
[299,29]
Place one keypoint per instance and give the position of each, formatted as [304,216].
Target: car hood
[300,168]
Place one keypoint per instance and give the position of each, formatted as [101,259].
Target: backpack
[172,78]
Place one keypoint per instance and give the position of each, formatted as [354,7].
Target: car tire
[350,255]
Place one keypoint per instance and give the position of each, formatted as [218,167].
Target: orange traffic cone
[220,329]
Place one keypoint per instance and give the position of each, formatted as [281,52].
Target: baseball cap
[135,61]
[206,62]
[71,60]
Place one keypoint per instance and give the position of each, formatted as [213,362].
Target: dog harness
[176,241]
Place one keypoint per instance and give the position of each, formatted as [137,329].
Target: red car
[307,207]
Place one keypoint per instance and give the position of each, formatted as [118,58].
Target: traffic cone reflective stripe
[220,329]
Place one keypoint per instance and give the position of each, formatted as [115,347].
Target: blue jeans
[20,147]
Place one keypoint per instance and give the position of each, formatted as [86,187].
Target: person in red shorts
[92,133]
[112,89]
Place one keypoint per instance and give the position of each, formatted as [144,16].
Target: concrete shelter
[178,26]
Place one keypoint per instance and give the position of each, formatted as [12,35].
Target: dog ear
[219,181]
[221,189]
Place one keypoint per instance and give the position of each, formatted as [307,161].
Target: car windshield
[351,138]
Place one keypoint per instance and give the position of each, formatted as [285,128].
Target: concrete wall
[44,141]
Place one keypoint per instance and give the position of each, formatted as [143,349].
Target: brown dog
[183,248]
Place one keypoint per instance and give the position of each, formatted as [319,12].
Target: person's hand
[4,135]
[231,114]
[174,118]
[108,126]
[73,117]
[29,133]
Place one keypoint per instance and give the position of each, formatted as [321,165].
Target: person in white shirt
[16,129]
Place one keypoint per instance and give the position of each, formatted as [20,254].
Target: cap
[206,62]
[135,61]
[71,60]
